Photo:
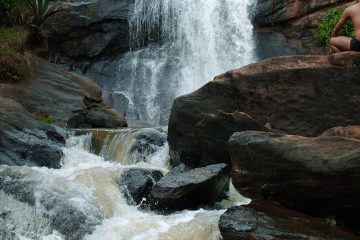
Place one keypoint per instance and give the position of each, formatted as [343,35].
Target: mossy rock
[13,66]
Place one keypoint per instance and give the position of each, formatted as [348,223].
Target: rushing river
[87,182]
[178,46]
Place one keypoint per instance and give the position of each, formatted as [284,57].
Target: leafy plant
[331,221]
[40,11]
[48,120]
[328,23]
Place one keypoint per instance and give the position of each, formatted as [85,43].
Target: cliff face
[86,31]
[292,21]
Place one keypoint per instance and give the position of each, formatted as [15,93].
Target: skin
[340,43]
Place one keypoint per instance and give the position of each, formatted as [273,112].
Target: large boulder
[205,142]
[82,32]
[267,221]
[184,188]
[26,141]
[50,90]
[319,176]
[303,95]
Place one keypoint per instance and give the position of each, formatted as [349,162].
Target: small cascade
[184,44]
[85,190]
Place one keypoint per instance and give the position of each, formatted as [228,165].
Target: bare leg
[340,44]
[334,49]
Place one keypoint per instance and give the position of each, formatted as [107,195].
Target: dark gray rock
[50,90]
[198,135]
[138,183]
[82,32]
[184,188]
[272,44]
[148,141]
[26,141]
[267,221]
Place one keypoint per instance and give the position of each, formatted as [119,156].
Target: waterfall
[183,45]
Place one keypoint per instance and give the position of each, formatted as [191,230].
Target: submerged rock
[302,95]
[55,201]
[184,188]
[319,176]
[138,183]
[148,141]
[267,221]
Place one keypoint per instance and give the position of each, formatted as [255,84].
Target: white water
[199,39]
[87,182]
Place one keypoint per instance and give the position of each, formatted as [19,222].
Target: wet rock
[302,95]
[54,201]
[96,114]
[318,176]
[26,141]
[184,188]
[138,183]
[267,221]
[148,141]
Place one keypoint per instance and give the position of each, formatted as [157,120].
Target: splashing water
[87,183]
[195,41]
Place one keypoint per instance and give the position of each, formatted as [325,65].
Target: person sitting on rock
[341,43]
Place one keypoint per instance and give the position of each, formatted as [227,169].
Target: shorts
[355,45]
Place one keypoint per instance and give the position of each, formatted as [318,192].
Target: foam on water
[88,182]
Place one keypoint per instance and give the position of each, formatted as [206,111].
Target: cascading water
[188,42]
[82,200]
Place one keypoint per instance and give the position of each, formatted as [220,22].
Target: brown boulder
[319,176]
[96,114]
[267,221]
[303,95]
[272,11]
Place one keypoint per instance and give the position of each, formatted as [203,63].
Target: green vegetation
[328,23]
[13,66]
[15,37]
[48,120]
[331,221]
